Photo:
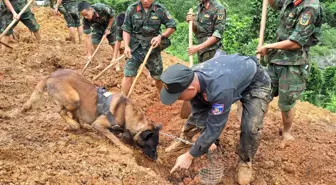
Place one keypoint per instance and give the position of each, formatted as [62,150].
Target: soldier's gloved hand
[16,16]
[156,41]
[190,17]
[127,52]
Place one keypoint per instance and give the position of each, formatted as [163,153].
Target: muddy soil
[35,148]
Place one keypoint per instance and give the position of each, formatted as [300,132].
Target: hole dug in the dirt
[202,171]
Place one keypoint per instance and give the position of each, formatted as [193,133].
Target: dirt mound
[35,148]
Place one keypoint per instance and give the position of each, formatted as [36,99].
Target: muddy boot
[244,175]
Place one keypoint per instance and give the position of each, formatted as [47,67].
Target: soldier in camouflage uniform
[142,28]
[27,18]
[208,27]
[101,18]
[71,16]
[300,28]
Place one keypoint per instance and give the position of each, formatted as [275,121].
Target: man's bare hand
[156,41]
[16,16]
[127,52]
[262,50]
[190,17]
[193,49]
[183,162]
[213,147]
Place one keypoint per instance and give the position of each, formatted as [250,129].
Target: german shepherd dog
[75,94]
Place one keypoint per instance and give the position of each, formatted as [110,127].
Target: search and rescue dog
[111,114]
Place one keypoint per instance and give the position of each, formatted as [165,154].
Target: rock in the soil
[260,181]
[289,168]
[269,164]
[187,180]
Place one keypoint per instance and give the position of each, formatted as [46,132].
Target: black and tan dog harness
[104,99]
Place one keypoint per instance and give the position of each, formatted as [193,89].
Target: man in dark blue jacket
[212,87]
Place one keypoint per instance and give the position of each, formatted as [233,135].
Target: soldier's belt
[145,38]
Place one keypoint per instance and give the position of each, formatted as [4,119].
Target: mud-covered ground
[35,148]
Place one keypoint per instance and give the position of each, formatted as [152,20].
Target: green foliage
[180,41]
[235,34]
[321,87]
[271,23]
[117,5]
[179,9]
[329,11]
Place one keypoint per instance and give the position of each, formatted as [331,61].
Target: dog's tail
[35,96]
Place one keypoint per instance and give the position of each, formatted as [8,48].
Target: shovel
[186,107]
[89,61]
[140,71]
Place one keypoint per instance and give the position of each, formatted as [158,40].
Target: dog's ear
[146,135]
[127,137]
[158,127]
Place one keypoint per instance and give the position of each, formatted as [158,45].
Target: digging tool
[14,20]
[89,61]
[108,67]
[191,63]
[8,46]
[140,71]
[186,107]
[261,42]
[262,25]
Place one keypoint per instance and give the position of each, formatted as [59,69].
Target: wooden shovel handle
[262,25]
[89,61]
[108,67]
[140,71]
[191,62]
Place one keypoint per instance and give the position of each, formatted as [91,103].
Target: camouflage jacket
[300,22]
[68,1]
[210,21]
[101,16]
[119,33]
[144,26]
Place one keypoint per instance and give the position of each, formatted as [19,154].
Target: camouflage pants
[255,99]
[98,32]
[27,18]
[154,63]
[288,82]
[206,56]
[71,14]
[61,9]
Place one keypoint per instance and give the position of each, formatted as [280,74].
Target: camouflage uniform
[101,16]
[300,22]
[2,13]
[71,14]
[119,33]
[209,21]
[61,9]
[143,27]
[27,18]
